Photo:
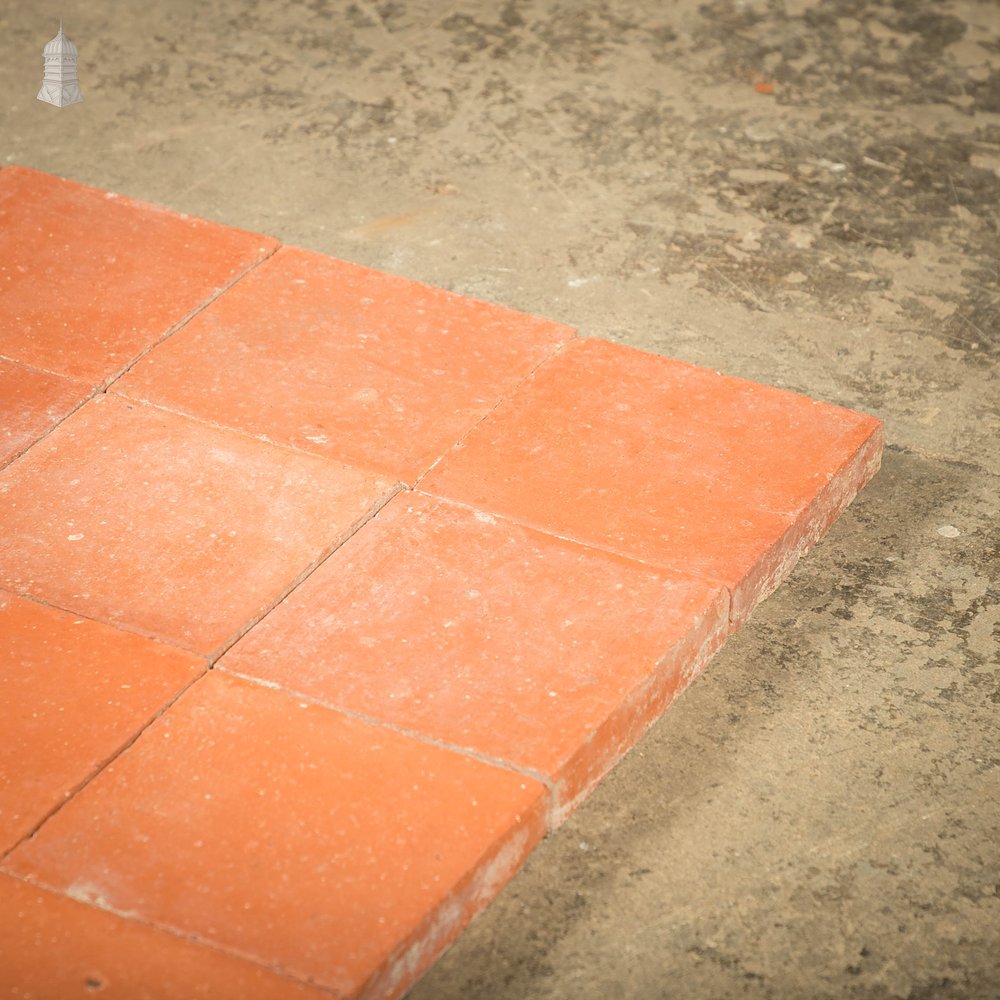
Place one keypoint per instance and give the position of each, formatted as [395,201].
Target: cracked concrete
[804,193]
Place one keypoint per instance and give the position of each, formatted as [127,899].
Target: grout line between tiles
[133,918]
[31,444]
[262,438]
[668,567]
[102,387]
[503,398]
[349,533]
[340,458]
[524,772]
[102,766]
[108,382]
[42,371]
[592,546]
[121,626]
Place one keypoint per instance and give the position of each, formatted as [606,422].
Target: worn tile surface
[90,279]
[337,851]
[153,521]
[672,464]
[342,360]
[31,404]
[489,636]
[73,692]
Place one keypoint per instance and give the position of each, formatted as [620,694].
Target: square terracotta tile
[74,693]
[343,853]
[32,403]
[675,465]
[489,636]
[54,947]
[90,279]
[341,360]
[150,520]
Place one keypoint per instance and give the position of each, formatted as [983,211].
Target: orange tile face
[53,946]
[675,465]
[488,636]
[73,692]
[297,837]
[132,515]
[90,279]
[31,403]
[344,361]
[411,686]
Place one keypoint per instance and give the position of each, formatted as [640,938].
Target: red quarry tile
[31,403]
[342,853]
[55,948]
[341,360]
[73,692]
[90,279]
[675,465]
[537,652]
[186,532]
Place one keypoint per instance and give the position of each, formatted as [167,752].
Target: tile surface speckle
[411,686]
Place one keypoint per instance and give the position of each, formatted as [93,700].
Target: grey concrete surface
[819,815]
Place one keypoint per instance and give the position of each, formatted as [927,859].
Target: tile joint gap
[31,444]
[200,942]
[287,591]
[372,720]
[103,765]
[248,435]
[42,371]
[503,398]
[108,382]
[120,626]
[670,570]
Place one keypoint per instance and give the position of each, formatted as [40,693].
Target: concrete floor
[819,815]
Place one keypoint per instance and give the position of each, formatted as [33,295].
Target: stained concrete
[802,192]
